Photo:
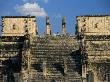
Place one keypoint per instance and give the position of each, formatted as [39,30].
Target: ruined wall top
[94,24]
[18,25]
[21,25]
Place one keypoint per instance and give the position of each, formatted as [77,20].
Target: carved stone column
[26,60]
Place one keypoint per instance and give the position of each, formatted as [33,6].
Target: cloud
[46,1]
[29,0]
[31,9]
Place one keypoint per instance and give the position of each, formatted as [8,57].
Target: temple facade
[26,56]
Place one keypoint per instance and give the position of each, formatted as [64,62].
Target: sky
[55,9]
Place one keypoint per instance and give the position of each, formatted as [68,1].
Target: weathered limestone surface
[95,31]
[54,58]
[27,57]
[18,26]
[94,25]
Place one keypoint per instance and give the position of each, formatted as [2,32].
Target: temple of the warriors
[26,56]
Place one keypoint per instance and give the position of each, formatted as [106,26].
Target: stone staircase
[56,54]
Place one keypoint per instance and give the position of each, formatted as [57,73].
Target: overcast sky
[55,9]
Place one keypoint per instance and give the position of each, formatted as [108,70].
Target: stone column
[64,26]
[48,26]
